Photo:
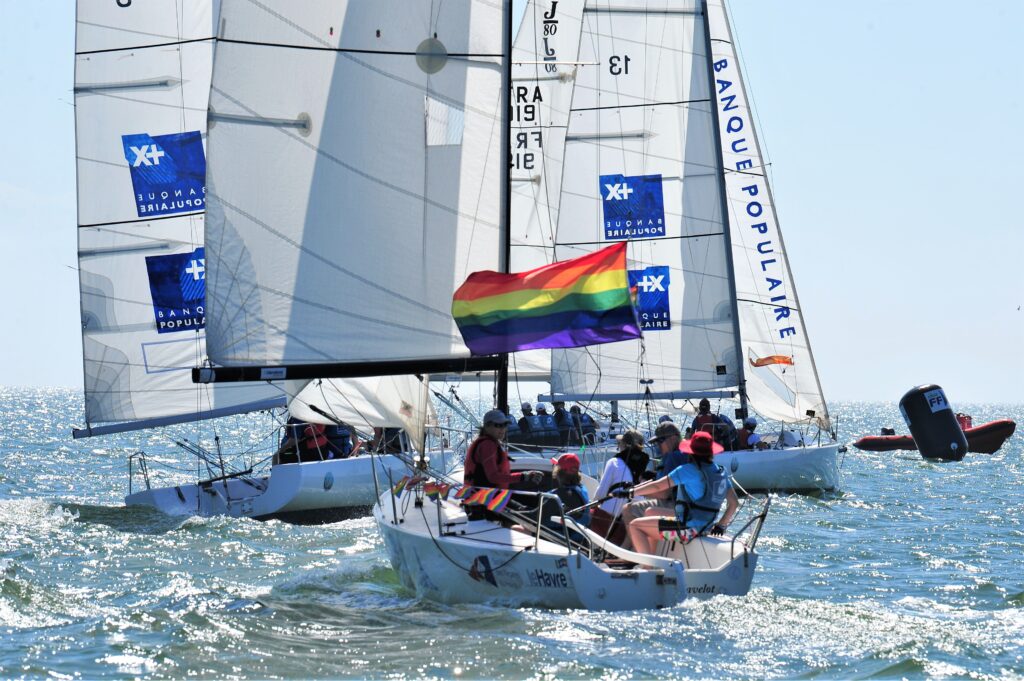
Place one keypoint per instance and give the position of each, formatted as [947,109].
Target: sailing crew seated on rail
[303,442]
[701,487]
[487,463]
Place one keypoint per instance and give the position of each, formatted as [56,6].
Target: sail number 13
[617,65]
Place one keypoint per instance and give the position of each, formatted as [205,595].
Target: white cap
[526,405]
[541,405]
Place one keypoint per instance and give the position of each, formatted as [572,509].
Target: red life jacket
[314,438]
[742,437]
[473,473]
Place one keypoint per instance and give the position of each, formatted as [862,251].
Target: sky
[893,130]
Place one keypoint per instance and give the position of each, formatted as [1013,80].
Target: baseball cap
[570,463]
[664,430]
[495,417]
[526,405]
[750,421]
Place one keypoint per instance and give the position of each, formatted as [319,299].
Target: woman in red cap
[701,487]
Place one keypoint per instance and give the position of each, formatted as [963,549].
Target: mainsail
[142,76]
[355,178]
[781,378]
[641,165]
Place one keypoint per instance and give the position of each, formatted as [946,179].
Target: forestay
[771,323]
[641,165]
[544,70]
[355,177]
[142,76]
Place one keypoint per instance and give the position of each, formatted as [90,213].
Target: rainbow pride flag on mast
[584,301]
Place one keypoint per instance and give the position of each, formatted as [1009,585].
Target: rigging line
[639,241]
[95,225]
[173,43]
[646,104]
[351,50]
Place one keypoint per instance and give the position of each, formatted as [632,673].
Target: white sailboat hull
[320,491]
[792,469]
[444,557]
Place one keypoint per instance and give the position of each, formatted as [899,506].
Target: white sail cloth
[771,322]
[641,165]
[354,177]
[367,403]
[142,77]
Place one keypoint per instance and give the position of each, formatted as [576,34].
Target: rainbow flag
[584,301]
[400,486]
[436,490]
[499,500]
[463,493]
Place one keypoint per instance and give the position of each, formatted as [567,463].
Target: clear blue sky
[894,133]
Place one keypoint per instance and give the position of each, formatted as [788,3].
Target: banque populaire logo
[634,206]
[168,172]
[651,286]
[178,285]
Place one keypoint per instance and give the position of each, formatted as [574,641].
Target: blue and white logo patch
[634,206]
[651,287]
[168,172]
[178,286]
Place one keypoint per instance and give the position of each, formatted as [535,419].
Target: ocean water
[915,570]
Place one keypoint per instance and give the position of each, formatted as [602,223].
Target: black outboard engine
[933,424]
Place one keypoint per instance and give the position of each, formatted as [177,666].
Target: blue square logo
[634,207]
[168,172]
[651,289]
[178,286]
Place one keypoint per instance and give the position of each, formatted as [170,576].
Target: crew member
[487,462]
[700,486]
[746,438]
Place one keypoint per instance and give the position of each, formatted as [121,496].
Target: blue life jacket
[703,511]
[340,439]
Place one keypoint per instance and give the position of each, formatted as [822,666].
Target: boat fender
[932,423]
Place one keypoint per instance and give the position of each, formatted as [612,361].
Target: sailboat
[142,83]
[653,154]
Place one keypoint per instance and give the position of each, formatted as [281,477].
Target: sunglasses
[497,425]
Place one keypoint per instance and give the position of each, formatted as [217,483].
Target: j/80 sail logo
[178,285]
[168,172]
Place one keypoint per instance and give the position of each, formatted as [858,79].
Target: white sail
[142,76]
[771,322]
[641,165]
[372,402]
[543,74]
[354,177]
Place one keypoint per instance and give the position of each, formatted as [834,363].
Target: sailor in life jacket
[487,463]
[746,438]
[711,423]
[307,440]
[571,492]
[700,487]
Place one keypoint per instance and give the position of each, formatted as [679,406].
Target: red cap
[701,444]
[570,463]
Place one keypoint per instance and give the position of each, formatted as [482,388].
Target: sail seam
[351,50]
[660,238]
[144,47]
[635,106]
[761,302]
[93,225]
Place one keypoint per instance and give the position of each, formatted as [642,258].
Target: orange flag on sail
[771,359]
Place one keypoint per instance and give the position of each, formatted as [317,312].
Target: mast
[506,180]
[723,199]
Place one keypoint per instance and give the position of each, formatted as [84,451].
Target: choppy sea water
[915,570]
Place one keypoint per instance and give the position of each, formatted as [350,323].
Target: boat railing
[757,522]
[143,466]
